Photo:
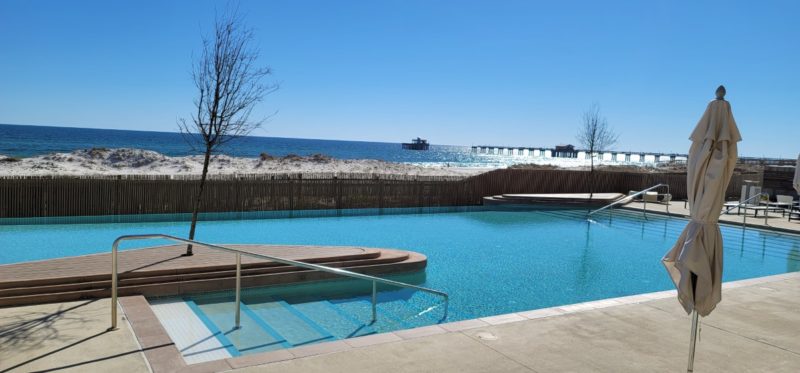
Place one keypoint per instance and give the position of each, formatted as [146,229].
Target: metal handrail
[239,253]
[745,203]
[630,198]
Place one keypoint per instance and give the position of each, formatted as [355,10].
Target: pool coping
[165,357]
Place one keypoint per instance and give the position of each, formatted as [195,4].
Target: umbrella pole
[692,342]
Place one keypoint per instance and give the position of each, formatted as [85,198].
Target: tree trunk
[196,207]
[591,176]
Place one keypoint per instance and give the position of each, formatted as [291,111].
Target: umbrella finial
[721,92]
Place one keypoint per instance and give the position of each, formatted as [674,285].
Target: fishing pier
[569,151]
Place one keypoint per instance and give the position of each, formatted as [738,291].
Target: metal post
[374,301]
[644,212]
[744,220]
[114,286]
[692,342]
[238,289]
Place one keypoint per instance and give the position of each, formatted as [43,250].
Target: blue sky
[457,72]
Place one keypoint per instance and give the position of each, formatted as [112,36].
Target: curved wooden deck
[579,199]
[163,270]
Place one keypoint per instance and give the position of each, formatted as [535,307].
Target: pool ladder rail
[747,203]
[629,198]
[239,253]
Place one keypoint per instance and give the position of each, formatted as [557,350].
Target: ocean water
[26,141]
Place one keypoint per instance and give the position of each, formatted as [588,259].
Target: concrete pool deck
[774,220]
[755,328]
[67,337]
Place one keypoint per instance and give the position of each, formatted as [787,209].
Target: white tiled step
[196,343]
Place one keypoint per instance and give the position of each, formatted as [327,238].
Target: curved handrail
[337,271]
[627,198]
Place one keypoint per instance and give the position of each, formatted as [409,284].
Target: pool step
[268,324]
[151,262]
[334,320]
[296,327]
[163,284]
[125,282]
[252,335]
[164,279]
[190,335]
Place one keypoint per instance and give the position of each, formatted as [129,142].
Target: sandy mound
[124,161]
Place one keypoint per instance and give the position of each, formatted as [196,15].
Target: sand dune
[126,161]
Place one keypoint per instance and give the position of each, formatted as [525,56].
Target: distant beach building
[416,144]
[565,151]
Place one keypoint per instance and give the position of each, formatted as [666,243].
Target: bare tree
[229,85]
[595,135]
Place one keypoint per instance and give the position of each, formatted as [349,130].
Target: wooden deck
[596,199]
[164,271]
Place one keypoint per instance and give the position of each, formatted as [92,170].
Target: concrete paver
[66,337]
[452,352]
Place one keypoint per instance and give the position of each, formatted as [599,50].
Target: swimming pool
[489,262]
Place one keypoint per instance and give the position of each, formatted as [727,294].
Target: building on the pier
[565,151]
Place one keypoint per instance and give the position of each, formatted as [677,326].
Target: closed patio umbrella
[797,175]
[695,262]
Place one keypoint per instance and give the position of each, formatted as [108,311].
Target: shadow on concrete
[22,332]
[82,362]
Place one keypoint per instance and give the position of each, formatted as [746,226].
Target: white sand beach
[125,161]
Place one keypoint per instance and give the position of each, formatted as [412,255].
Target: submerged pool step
[252,335]
[388,317]
[297,328]
[340,324]
[195,341]
[269,324]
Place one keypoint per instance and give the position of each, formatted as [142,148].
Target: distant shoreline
[127,161]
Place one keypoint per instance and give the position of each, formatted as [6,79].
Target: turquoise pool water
[489,262]
[511,260]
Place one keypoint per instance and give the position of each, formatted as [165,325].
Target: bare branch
[228,82]
[595,134]
[229,85]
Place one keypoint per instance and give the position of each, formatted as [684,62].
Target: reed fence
[53,196]
[779,180]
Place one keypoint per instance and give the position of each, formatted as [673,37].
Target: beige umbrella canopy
[695,262]
[797,175]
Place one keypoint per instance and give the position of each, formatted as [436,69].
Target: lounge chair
[793,210]
[785,202]
[650,197]
[752,205]
[794,213]
[730,205]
